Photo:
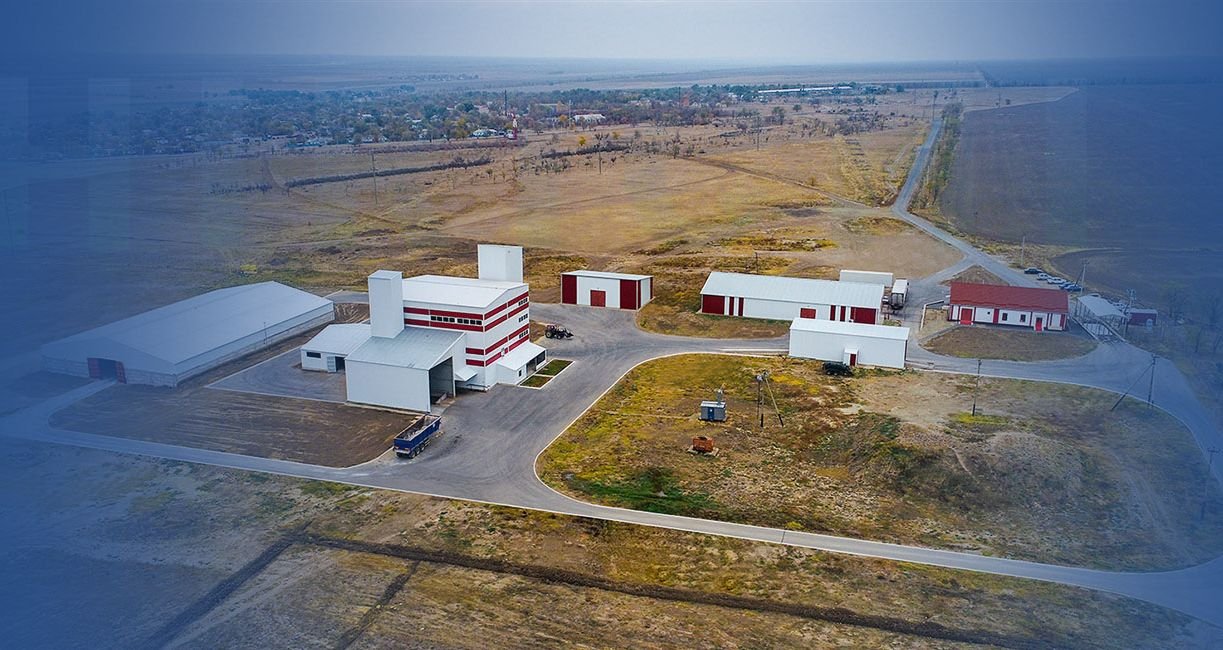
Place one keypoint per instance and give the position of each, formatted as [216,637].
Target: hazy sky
[797,32]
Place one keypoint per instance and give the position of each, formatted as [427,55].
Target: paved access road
[490,443]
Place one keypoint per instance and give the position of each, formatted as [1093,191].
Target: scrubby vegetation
[1039,472]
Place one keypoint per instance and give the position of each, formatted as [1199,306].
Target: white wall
[885,353]
[309,363]
[499,262]
[868,277]
[647,291]
[391,386]
[386,304]
[776,310]
[611,286]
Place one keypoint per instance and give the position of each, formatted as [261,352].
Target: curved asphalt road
[490,443]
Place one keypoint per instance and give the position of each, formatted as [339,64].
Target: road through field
[491,441]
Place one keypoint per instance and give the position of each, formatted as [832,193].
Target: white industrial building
[328,349]
[869,277]
[429,334]
[849,343]
[783,298]
[604,289]
[167,345]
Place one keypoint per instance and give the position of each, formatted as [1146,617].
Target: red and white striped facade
[493,315]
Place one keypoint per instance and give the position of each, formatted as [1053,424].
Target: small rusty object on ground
[702,444]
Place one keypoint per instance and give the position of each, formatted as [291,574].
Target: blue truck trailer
[417,436]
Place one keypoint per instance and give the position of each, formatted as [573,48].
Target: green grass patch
[653,490]
[554,367]
[536,381]
[324,488]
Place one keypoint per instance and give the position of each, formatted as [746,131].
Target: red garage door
[569,289]
[598,298]
[713,304]
[806,312]
[629,298]
[862,315]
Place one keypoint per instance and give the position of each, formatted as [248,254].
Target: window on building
[314,355]
[1023,318]
[522,302]
[1004,317]
[523,318]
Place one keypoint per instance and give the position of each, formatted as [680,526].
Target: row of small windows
[523,317]
[1023,318]
[452,319]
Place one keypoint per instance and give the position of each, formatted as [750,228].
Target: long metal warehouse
[169,344]
[784,298]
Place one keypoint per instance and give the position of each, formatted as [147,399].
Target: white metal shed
[850,343]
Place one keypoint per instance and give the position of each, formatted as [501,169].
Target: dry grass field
[979,342]
[161,229]
[1043,472]
[192,556]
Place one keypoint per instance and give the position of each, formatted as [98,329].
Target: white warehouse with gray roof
[170,344]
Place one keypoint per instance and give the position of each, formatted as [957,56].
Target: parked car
[1057,281]
[1032,270]
[1071,286]
[838,369]
[1042,276]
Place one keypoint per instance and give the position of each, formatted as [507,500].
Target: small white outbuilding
[329,348]
[849,343]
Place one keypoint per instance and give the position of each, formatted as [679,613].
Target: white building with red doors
[1034,308]
[603,289]
[783,298]
[431,334]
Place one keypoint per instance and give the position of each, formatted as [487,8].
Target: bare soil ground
[982,342]
[194,415]
[200,559]
[1043,472]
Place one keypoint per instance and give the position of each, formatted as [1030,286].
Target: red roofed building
[1038,309]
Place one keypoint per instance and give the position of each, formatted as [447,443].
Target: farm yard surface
[193,556]
[240,421]
[983,342]
[1043,472]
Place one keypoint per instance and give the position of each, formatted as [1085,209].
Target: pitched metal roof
[800,290]
[414,347]
[201,324]
[1002,296]
[609,275]
[458,292]
[340,339]
[854,329]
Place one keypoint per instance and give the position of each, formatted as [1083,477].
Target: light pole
[976,389]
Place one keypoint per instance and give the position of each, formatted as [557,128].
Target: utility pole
[1083,274]
[373,168]
[759,402]
[976,389]
[1023,245]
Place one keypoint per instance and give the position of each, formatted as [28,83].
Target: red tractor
[557,332]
